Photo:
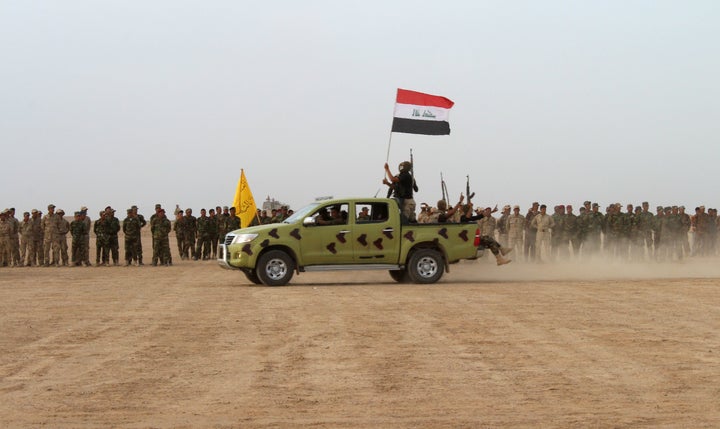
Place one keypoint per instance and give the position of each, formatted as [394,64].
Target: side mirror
[309,221]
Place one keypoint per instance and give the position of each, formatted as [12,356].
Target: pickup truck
[365,234]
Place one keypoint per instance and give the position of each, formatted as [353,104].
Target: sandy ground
[193,345]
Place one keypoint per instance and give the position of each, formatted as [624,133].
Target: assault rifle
[467,190]
[412,172]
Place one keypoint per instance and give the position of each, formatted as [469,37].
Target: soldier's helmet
[405,166]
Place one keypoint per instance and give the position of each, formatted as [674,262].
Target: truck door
[377,233]
[328,241]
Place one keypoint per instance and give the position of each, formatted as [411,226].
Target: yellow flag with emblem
[244,202]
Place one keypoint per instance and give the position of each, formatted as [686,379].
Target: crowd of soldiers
[635,234]
[632,234]
[42,239]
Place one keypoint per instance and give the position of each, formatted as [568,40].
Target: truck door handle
[388,230]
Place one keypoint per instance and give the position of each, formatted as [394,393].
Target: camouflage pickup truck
[347,234]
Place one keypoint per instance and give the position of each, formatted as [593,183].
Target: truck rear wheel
[425,266]
[275,268]
[400,276]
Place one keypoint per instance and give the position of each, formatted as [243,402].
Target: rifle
[467,190]
[412,172]
[443,187]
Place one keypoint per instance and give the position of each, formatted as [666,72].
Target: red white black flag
[418,113]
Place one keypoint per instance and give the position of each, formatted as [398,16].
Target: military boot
[501,260]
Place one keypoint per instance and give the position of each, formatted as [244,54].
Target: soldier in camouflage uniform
[592,231]
[85,250]
[637,240]
[213,230]
[572,231]
[189,234]
[36,255]
[101,228]
[264,218]
[487,224]
[178,227]
[656,227]
[233,222]
[113,230]
[645,221]
[543,224]
[63,229]
[558,240]
[5,231]
[131,227]
[614,231]
[78,230]
[685,221]
[712,232]
[203,236]
[516,230]
[702,228]
[530,233]
[502,226]
[160,227]
[26,239]
[255,221]
[138,244]
[671,228]
[582,219]
[626,231]
[17,261]
[50,232]
[222,223]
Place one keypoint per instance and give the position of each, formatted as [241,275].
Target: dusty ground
[516,346]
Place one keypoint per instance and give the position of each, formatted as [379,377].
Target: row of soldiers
[41,240]
[197,237]
[634,233]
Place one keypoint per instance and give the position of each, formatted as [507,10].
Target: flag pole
[387,157]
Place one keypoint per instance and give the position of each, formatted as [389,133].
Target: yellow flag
[244,202]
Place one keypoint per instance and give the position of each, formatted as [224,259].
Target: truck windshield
[302,213]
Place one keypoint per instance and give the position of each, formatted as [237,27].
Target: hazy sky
[138,102]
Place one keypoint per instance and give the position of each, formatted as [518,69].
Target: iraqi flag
[418,113]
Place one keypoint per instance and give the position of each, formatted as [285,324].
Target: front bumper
[224,257]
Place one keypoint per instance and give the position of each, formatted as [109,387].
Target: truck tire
[400,276]
[275,268]
[253,277]
[425,266]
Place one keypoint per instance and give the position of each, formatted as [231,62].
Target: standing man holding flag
[403,184]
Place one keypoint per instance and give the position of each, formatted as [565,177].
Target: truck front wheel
[425,266]
[275,268]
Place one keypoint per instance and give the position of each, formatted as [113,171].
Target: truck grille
[229,238]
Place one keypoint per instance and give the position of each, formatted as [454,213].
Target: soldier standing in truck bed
[404,186]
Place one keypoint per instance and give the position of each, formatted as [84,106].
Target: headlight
[244,238]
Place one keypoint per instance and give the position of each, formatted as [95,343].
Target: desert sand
[523,345]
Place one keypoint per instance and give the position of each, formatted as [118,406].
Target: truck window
[362,213]
[379,212]
[335,214]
